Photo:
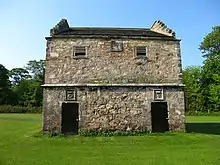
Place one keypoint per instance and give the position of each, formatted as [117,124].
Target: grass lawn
[19,147]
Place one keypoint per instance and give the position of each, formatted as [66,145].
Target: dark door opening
[70,118]
[159,117]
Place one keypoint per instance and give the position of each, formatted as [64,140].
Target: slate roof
[63,30]
[112,32]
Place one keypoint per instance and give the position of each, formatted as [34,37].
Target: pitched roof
[111,32]
[62,29]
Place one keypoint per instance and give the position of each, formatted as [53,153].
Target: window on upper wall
[116,46]
[141,51]
[80,51]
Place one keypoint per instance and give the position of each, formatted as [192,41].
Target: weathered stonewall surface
[106,107]
[162,65]
[114,108]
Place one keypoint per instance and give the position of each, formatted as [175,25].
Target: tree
[4,84]
[36,68]
[27,81]
[19,74]
[4,78]
[6,95]
[29,93]
[193,91]
[210,83]
[214,91]
[210,46]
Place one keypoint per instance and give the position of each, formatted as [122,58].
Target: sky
[25,23]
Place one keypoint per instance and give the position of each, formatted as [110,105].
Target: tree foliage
[29,93]
[210,46]
[4,78]
[5,92]
[192,78]
[24,89]
[203,83]
[36,69]
[210,83]
[18,74]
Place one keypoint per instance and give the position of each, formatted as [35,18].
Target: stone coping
[113,85]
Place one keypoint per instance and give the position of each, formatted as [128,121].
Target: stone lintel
[114,85]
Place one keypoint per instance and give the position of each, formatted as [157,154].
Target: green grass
[20,115]
[19,147]
[203,119]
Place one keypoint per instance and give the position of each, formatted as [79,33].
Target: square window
[79,51]
[141,51]
[116,46]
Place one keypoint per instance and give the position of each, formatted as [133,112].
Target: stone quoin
[113,79]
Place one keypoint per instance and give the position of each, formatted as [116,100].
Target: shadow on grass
[207,128]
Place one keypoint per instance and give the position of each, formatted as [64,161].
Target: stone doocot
[114,90]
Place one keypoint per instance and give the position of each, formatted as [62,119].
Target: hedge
[19,109]
[203,113]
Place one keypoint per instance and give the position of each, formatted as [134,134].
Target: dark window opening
[80,54]
[141,51]
[80,51]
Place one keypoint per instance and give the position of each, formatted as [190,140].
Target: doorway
[159,117]
[70,118]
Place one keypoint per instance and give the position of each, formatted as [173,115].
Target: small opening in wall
[141,51]
[80,54]
[80,51]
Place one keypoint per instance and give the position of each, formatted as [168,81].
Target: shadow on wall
[207,128]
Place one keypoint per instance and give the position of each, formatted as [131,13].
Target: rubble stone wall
[113,108]
[101,65]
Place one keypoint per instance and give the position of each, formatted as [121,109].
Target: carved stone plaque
[116,46]
[71,95]
[158,94]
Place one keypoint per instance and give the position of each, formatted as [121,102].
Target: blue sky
[25,23]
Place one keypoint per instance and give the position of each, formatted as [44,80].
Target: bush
[19,109]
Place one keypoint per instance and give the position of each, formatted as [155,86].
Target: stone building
[125,79]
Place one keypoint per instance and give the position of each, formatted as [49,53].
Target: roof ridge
[109,28]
